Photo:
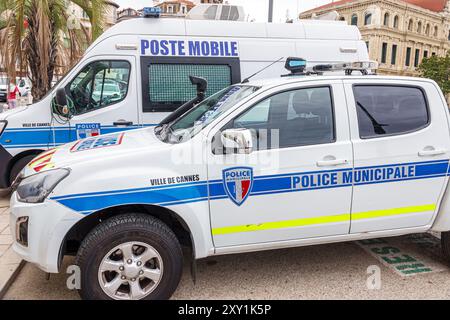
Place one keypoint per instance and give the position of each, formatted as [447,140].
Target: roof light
[372,65]
[295,65]
[363,66]
[152,12]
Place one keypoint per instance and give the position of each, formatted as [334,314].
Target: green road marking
[391,253]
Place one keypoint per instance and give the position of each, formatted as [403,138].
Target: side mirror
[61,101]
[238,139]
[61,98]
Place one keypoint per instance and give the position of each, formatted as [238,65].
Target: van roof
[303,29]
[274,82]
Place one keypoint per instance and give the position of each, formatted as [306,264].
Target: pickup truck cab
[288,162]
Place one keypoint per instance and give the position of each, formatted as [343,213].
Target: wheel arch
[82,228]
[17,157]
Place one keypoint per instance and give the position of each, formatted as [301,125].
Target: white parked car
[3,89]
[24,86]
[289,162]
[107,92]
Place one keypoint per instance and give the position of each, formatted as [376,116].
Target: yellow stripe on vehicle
[282,224]
[322,220]
[393,212]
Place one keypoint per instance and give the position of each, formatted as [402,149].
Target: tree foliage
[437,69]
[36,38]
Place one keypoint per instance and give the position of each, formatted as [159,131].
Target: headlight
[3,124]
[36,188]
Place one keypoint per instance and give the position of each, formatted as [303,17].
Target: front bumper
[48,224]
[5,158]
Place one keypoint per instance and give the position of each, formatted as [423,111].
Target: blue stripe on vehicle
[46,137]
[160,197]
[87,203]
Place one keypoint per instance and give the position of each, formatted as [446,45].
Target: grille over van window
[169,85]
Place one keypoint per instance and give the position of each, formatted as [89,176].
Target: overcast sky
[257,9]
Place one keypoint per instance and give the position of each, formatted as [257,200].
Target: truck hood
[95,149]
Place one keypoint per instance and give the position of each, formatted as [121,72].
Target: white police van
[137,72]
[260,165]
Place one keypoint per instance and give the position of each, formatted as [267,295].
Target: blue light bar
[152,12]
[295,65]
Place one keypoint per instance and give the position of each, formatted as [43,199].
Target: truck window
[390,110]
[98,85]
[298,118]
[169,85]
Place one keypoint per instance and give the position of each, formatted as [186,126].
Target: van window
[210,13]
[225,13]
[390,110]
[234,13]
[98,85]
[294,118]
[170,87]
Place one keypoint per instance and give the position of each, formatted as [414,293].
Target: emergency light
[362,66]
[295,65]
[152,12]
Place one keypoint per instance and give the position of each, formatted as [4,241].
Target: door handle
[432,152]
[332,163]
[123,123]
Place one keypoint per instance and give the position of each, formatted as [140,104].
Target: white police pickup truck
[260,165]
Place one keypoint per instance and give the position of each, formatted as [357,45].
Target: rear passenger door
[400,153]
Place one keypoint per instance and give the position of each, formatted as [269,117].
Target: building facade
[175,8]
[78,16]
[399,33]
[128,13]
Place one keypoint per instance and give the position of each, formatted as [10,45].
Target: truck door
[401,144]
[101,98]
[289,187]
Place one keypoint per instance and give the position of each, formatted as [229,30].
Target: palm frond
[47,44]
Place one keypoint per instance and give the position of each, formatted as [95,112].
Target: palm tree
[36,38]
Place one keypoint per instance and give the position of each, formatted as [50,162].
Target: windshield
[3,81]
[203,114]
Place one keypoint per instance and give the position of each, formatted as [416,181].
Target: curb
[12,273]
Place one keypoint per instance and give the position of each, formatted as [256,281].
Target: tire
[18,166]
[141,231]
[445,244]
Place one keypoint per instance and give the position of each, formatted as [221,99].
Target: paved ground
[411,267]
[9,261]
[412,270]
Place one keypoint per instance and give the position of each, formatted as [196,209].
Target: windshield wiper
[377,127]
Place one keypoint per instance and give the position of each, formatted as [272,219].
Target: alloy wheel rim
[130,271]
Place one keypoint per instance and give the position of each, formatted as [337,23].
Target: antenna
[256,73]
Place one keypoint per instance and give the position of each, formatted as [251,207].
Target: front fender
[5,158]
[189,201]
